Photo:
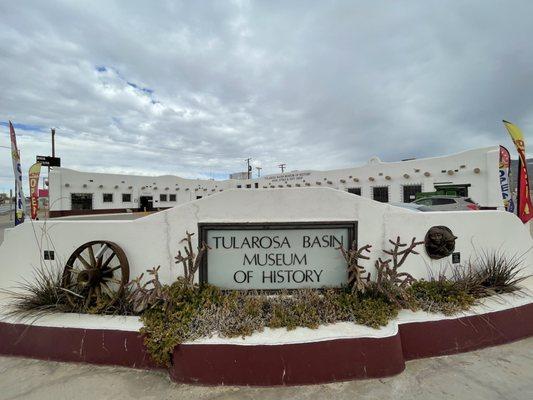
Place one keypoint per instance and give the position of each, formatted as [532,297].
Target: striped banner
[20,205]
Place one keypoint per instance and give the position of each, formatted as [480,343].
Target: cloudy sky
[193,88]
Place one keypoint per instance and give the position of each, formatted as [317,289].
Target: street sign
[48,161]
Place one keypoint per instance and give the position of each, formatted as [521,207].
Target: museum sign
[276,255]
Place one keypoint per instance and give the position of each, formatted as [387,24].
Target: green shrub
[441,295]
[189,312]
[169,322]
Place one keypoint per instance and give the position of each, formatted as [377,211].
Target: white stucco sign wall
[276,256]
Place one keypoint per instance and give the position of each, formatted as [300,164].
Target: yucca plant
[44,294]
[498,272]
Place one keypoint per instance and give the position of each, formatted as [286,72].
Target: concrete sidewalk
[504,372]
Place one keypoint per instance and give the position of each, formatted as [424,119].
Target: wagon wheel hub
[90,277]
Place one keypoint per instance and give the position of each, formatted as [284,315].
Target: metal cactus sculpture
[192,261]
[357,279]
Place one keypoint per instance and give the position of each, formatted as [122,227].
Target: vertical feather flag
[33,177]
[505,168]
[523,202]
[20,206]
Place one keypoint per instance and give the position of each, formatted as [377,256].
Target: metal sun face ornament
[439,242]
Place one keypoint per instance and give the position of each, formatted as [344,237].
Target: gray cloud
[193,88]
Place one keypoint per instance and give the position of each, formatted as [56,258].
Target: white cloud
[194,88]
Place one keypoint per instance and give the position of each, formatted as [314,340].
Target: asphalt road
[503,372]
[4,224]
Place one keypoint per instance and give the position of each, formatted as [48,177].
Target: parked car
[412,207]
[448,203]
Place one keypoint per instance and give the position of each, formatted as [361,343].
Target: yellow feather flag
[524,206]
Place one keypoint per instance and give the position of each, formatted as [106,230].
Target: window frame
[354,190]
[411,185]
[380,188]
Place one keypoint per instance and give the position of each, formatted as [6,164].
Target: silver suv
[448,203]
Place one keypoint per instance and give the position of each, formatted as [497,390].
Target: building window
[198,197]
[356,191]
[172,197]
[248,186]
[81,201]
[256,185]
[381,193]
[239,186]
[107,197]
[126,197]
[162,197]
[410,192]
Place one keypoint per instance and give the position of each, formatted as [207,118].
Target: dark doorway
[146,203]
[410,192]
[81,201]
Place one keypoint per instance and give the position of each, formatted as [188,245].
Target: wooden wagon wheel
[96,270]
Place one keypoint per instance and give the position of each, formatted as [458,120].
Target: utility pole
[258,171]
[53,147]
[53,142]
[282,167]
[248,168]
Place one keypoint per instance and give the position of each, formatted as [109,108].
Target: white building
[473,173]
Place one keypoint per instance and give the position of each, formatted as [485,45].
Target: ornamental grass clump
[497,272]
[42,295]
[46,294]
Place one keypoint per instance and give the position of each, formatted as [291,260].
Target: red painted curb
[458,335]
[291,364]
[95,346]
[272,365]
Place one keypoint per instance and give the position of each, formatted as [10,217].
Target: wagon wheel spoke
[100,255]
[91,255]
[73,270]
[115,268]
[111,293]
[98,292]
[113,280]
[89,297]
[84,261]
[104,265]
